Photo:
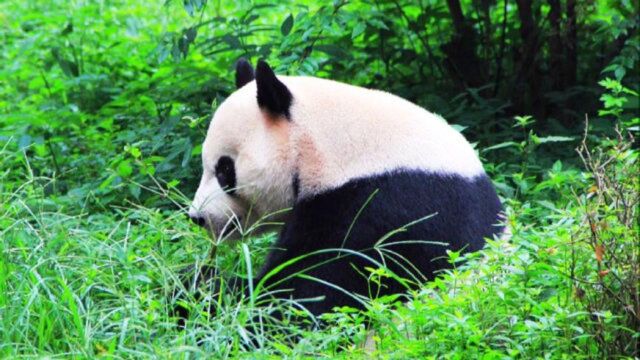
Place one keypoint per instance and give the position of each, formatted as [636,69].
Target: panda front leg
[310,279]
[197,282]
[315,281]
[200,281]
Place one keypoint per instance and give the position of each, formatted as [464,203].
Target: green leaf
[135,152]
[68,67]
[191,6]
[549,139]
[187,153]
[459,128]
[103,185]
[233,41]
[285,29]
[190,34]
[125,169]
[501,145]
[358,29]
[134,190]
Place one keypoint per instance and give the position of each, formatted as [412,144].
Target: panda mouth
[228,230]
[236,227]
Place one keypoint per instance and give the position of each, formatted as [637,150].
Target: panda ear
[273,95]
[244,73]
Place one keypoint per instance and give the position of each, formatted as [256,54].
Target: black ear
[273,95]
[244,73]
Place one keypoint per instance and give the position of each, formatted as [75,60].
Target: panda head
[248,166]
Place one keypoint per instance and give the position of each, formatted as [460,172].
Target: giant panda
[372,182]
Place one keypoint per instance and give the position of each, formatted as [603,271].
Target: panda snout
[220,229]
[198,220]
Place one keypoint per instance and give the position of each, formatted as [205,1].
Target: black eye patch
[226,174]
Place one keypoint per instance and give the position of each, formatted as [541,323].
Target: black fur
[464,213]
[244,73]
[226,174]
[296,185]
[273,95]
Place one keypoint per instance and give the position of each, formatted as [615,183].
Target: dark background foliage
[87,89]
[104,105]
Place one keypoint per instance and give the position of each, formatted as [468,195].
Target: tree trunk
[456,15]
[556,59]
[571,68]
[556,50]
[500,58]
[462,61]
[571,62]
[528,76]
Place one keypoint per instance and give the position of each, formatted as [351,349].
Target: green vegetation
[103,106]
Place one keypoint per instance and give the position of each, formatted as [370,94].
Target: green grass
[99,140]
[102,283]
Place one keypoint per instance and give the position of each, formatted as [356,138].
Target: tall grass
[93,246]
[80,284]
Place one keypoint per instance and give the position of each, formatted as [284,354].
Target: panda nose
[198,220]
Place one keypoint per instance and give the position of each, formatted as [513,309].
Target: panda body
[373,181]
[342,132]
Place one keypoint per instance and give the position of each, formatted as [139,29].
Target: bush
[102,109]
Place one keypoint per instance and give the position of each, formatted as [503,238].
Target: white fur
[337,132]
[359,132]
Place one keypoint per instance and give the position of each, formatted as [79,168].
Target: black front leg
[318,282]
[193,280]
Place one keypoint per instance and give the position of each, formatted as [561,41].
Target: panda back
[343,132]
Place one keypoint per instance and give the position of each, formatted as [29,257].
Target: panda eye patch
[226,174]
